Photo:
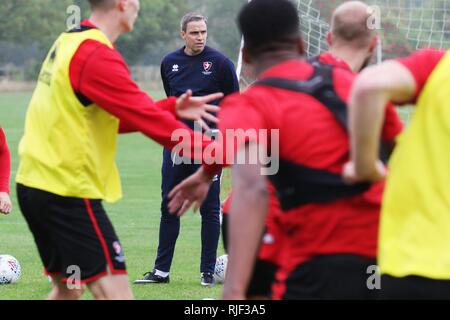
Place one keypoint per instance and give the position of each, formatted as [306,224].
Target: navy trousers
[170,224]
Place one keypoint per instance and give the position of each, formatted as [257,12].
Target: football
[9,269]
[221,268]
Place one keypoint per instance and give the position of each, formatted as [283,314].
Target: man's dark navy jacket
[205,73]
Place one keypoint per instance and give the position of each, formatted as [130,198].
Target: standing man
[352,46]
[204,70]
[84,96]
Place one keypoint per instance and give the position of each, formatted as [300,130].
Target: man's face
[130,14]
[195,37]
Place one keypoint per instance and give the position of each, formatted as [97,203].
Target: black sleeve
[164,80]
[229,82]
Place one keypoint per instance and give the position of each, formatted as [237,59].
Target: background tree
[223,32]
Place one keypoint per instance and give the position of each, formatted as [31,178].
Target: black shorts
[74,236]
[413,288]
[338,276]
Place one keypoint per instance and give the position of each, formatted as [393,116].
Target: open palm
[197,108]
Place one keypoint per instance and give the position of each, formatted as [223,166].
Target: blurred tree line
[29,28]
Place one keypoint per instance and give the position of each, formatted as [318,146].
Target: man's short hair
[352,29]
[269,25]
[191,17]
[101,4]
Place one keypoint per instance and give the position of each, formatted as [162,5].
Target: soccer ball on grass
[221,268]
[9,269]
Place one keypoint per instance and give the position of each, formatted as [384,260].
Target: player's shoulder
[91,45]
[92,49]
[342,75]
[428,53]
[94,58]
[175,54]
[343,80]
[244,108]
[236,99]
[423,57]
[422,63]
[255,97]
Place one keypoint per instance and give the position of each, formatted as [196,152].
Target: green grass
[135,217]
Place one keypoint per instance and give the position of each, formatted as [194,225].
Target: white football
[9,269]
[221,268]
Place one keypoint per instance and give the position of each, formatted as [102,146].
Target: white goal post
[405,26]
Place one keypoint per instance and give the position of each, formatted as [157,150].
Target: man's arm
[164,79]
[5,169]
[5,163]
[168,104]
[229,83]
[246,223]
[371,92]
[394,80]
[109,85]
[392,127]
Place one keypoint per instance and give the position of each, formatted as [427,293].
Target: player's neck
[107,24]
[270,59]
[191,53]
[354,58]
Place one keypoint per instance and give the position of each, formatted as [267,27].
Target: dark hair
[269,25]
[191,17]
[104,4]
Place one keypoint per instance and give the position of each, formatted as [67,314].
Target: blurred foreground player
[330,228]
[415,223]
[84,96]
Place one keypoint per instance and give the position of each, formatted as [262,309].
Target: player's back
[325,215]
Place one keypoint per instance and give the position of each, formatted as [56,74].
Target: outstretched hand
[192,190]
[5,203]
[197,108]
